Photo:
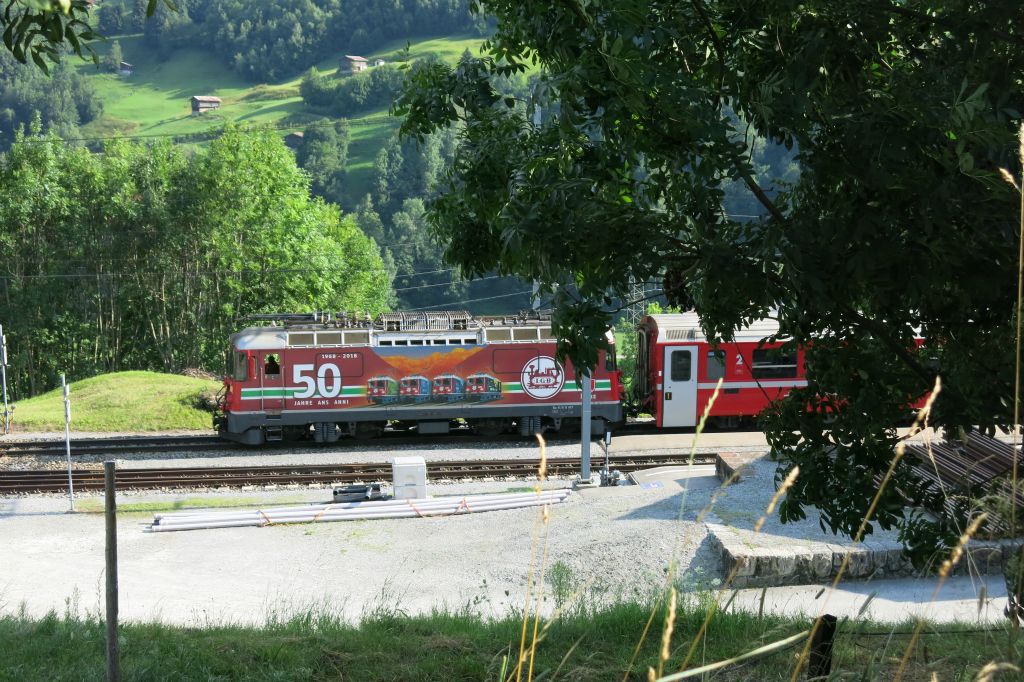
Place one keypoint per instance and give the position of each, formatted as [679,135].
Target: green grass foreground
[447,646]
[121,401]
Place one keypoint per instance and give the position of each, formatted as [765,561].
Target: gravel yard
[609,543]
[605,543]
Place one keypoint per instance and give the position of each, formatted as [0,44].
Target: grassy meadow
[594,644]
[121,401]
[155,100]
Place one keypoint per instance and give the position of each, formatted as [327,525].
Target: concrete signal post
[3,379]
[67,437]
[586,477]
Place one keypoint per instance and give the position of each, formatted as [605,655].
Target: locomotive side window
[609,359]
[352,338]
[272,365]
[499,335]
[773,363]
[716,364]
[681,365]
[328,338]
[240,367]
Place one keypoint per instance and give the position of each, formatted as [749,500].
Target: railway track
[111,446]
[93,447]
[16,481]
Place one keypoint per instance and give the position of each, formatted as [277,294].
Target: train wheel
[730,423]
[367,430]
[489,428]
[569,427]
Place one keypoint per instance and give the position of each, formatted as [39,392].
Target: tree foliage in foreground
[898,224]
[143,257]
[43,30]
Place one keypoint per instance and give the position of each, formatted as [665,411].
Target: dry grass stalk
[901,448]
[944,571]
[1020,311]
[666,634]
[787,483]
[958,551]
[1009,179]
[670,576]
[543,521]
[989,671]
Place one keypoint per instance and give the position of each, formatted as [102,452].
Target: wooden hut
[203,103]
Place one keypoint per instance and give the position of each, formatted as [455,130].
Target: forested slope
[145,257]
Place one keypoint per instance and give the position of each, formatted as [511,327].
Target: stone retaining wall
[807,562]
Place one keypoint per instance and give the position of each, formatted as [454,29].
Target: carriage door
[271,373]
[679,399]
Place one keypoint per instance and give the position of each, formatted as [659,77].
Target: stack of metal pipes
[352,511]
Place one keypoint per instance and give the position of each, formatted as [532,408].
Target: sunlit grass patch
[121,401]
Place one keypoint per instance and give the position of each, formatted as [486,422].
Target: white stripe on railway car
[791,383]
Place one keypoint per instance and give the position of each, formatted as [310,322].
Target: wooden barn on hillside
[202,103]
[354,63]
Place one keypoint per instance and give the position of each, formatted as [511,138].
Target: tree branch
[882,334]
[946,23]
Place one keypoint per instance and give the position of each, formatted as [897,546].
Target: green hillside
[155,100]
[122,401]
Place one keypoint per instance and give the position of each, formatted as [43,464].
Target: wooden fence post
[110,512]
[820,662]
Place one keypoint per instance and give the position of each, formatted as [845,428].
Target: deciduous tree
[898,225]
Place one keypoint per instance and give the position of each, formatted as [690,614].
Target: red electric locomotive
[678,369]
[331,375]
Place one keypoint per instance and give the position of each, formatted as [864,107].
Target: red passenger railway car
[678,370]
[325,376]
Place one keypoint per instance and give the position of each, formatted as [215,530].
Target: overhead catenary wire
[454,281]
[472,300]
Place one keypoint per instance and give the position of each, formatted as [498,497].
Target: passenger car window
[681,361]
[773,363]
[716,364]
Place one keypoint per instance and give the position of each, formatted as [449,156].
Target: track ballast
[16,481]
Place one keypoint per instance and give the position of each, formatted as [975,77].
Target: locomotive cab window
[773,363]
[680,369]
[716,364]
[240,366]
[272,365]
[609,359]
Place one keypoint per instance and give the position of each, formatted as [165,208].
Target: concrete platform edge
[774,567]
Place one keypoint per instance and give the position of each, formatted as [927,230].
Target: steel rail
[87,447]
[28,481]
